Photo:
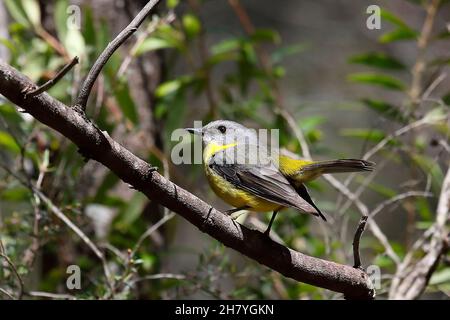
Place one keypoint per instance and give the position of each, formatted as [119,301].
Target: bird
[241,171]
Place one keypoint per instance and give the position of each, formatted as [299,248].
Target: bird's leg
[231,211]
[270,223]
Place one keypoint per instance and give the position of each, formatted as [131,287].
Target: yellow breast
[228,192]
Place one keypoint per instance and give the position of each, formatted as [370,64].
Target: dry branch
[412,276]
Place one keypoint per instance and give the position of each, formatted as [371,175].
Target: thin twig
[88,83]
[444,145]
[150,230]
[16,273]
[373,226]
[204,56]
[380,145]
[344,207]
[433,86]
[152,26]
[356,239]
[261,54]
[50,295]
[422,43]
[161,276]
[397,198]
[50,83]
[52,42]
[56,211]
[6,293]
[412,277]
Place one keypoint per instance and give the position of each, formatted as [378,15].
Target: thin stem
[356,239]
[41,294]
[204,56]
[397,198]
[422,43]
[50,83]
[16,273]
[150,230]
[56,211]
[88,83]
[152,26]
[6,293]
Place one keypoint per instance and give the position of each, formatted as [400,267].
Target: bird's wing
[264,181]
[303,192]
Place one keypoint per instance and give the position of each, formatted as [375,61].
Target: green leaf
[380,188]
[311,123]
[171,35]
[126,103]
[89,32]
[8,142]
[435,115]
[151,44]
[383,261]
[423,225]
[440,277]
[279,54]
[398,34]
[176,111]
[446,99]
[74,42]
[172,3]
[191,25]
[226,46]
[365,134]
[132,210]
[168,87]
[33,12]
[172,86]
[60,18]
[9,45]
[424,209]
[109,181]
[386,109]
[392,18]
[17,12]
[431,167]
[16,194]
[221,57]
[443,35]
[265,35]
[10,114]
[416,2]
[378,79]
[377,59]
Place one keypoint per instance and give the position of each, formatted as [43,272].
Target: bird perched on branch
[250,175]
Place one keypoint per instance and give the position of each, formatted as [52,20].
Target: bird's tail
[336,166]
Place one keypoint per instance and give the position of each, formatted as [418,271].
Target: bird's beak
[197,131]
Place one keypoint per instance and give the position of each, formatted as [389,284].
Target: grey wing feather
[263,181]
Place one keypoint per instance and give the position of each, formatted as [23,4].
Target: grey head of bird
[223,132]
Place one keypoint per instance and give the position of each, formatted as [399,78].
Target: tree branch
[88,83]
[352,282]
[358,234]
[50,83]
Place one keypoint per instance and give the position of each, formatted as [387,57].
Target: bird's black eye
[222,129]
